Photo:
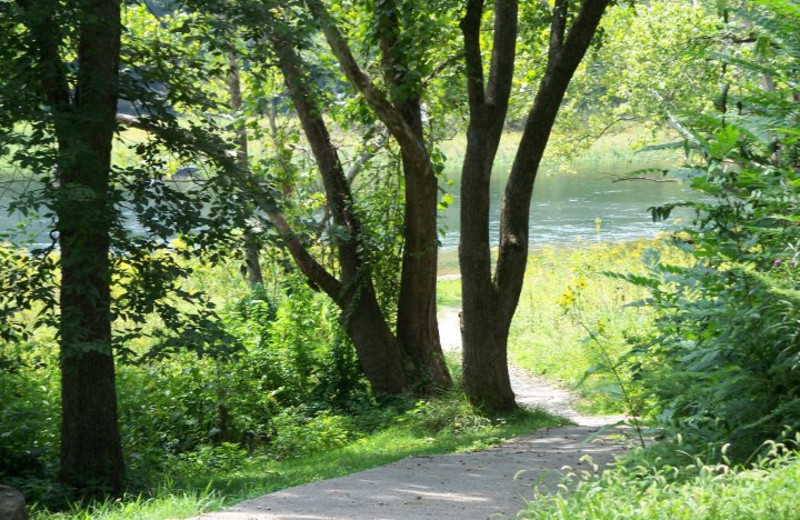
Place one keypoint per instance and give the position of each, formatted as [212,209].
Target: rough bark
[378,350]
[489,300]
[417,326]
[484,363]
[91,454]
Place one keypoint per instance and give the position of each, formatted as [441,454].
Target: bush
[724,366]
[302,433]
[696,490]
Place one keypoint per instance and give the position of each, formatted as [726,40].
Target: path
[479,485]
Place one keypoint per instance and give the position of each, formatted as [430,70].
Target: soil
[489,484]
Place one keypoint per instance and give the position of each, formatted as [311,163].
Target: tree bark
[378,350]
[91,454]
[484,363]
[489,300]
[417,326]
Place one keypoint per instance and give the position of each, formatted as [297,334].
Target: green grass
[443,425]
[448,293]
[694,491]
[565,297]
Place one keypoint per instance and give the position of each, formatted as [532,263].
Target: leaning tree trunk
[91,456]
[377,348]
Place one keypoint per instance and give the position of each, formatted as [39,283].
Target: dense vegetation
[324,196]
[718,372]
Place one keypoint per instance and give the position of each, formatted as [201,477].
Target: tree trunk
[417,324]
[91,455]
[485,369]
[484,330]
[378,350]
[252,261]
[489,302]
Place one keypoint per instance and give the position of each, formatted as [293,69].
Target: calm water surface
[564,210]
[566,206]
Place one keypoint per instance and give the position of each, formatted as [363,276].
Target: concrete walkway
[492,483]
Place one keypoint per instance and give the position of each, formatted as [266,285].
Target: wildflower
[777,262]
[793,263]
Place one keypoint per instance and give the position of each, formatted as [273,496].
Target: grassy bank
[566,299]
[228,475]
[694,491]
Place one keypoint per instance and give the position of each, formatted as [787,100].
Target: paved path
[492,483]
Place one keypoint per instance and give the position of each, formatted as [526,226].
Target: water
[565,208]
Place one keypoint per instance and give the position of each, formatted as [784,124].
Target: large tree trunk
[417,325]
[489,301]
[378,350]
[484,331]
[91,455]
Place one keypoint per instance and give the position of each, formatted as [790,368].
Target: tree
[415,352]
[252,262]
[58,110]
[401,112]
[490,299]
[377,348]
[83,120]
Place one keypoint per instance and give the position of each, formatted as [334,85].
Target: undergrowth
[570,309]
[648,488]
[217,476]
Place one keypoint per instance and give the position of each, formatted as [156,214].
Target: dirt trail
[492,483]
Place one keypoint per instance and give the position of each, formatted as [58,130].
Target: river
[586,205]
[567,208]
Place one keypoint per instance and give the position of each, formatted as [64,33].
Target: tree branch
[583,28]
[557,27]
[638,178]
[370,150]
[501,69]
[39,19]
[393,120]
[672,121]
[471,28]
[439,69]
[313,270]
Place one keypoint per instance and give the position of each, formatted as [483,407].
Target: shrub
[724,365]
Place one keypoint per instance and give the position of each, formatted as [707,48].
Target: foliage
[697,490]
[319,445]
[724,364]
[294,373]
[29,418]
[643,68]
